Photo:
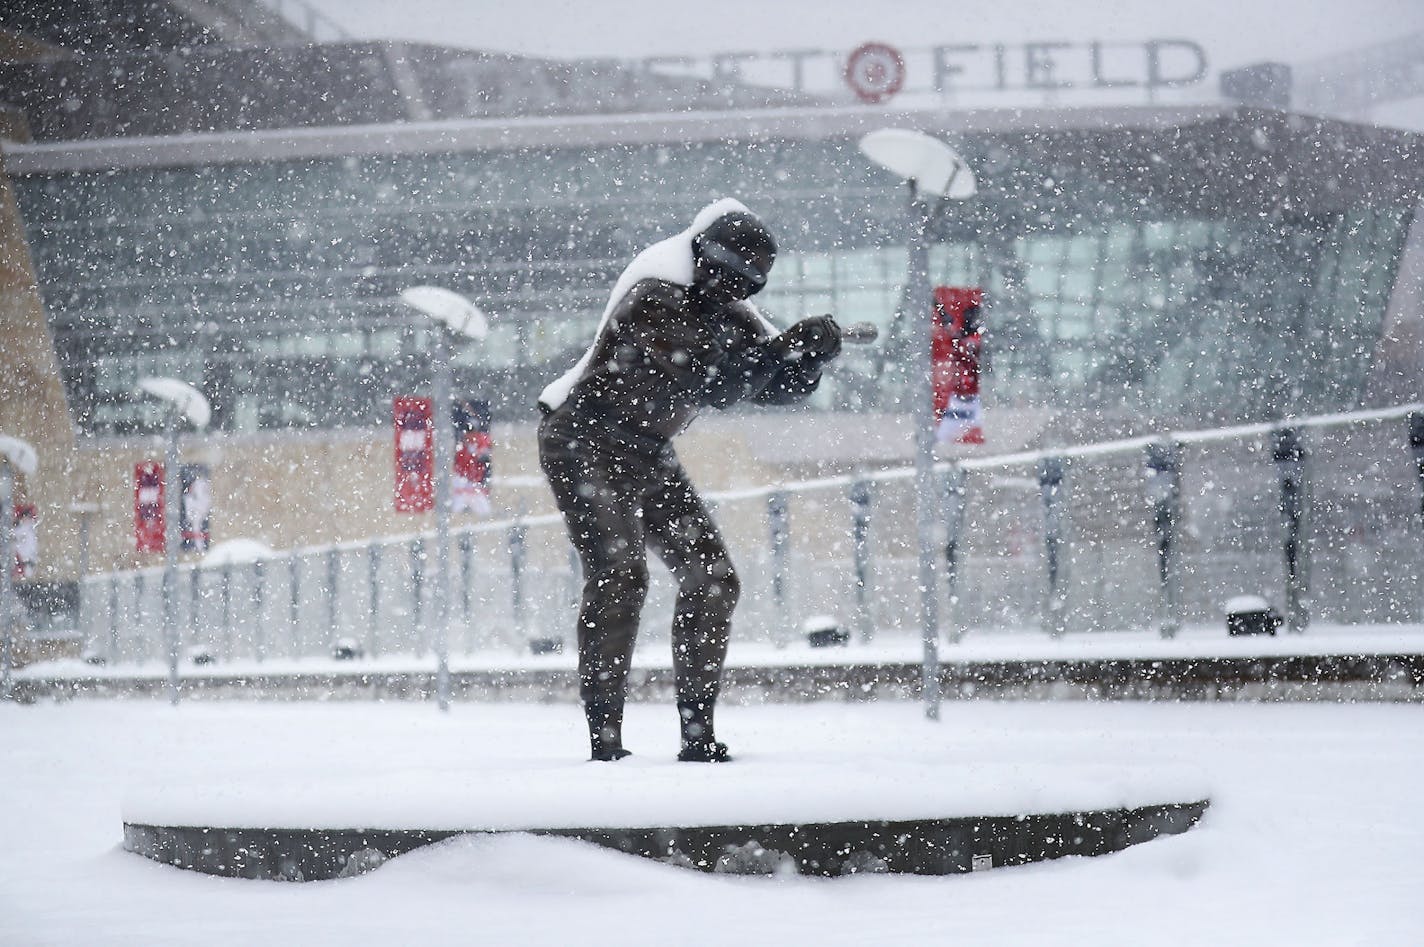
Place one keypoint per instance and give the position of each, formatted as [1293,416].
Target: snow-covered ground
[1314,835]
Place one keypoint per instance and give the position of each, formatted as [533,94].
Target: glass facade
[273,285]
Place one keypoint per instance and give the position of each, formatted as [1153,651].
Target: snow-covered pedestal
[810,814]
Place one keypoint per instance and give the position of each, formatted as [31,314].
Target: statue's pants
[619,496]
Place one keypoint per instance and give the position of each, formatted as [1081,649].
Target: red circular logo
[875,72]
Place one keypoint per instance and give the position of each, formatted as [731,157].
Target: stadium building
[217,198]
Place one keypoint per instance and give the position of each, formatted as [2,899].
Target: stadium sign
[877,71]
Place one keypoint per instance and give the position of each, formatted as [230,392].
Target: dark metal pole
[955,501]
[778,517]
[1416,446]
[1164,492]
[1291,466]
[860,500]
[1051,476]
[918,306]
[442,384]
[172,484]
[9,626]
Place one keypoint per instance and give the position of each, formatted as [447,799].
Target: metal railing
[1322,515]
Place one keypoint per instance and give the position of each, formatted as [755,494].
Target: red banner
[148,506]
[956,351]
[415,455]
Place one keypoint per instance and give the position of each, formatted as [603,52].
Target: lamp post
[935,175]
[183,403]
[463,319]
[15,454]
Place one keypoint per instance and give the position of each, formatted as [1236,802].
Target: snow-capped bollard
[346,649]
[955,500]
[1290,457]
[824,631]
[1251,615]
[1051,481]
[1163,471]
[860,498]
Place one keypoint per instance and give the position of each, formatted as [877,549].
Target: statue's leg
[600,508]
[681,531]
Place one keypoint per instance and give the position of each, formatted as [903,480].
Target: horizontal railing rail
[1149,531]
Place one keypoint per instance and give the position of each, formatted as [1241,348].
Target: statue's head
[732,257]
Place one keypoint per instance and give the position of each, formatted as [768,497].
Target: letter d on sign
[1155,76]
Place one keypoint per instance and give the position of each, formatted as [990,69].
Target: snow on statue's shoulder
[667,260]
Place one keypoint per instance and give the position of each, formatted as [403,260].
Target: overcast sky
[1232,31]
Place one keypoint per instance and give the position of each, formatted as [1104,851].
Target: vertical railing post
[1416,446]
[137,619]
[417,597]
[226,597]
[573,591]
[1288,451]
[333,576]
[467,591]
[1164,492]
[517,549]
[955,501]
[860,501]
[114,620]
[257,622]
[373,583]
[9,607]
[467,579]
[195,604]
[778,517]
[1051,482]
[294,613]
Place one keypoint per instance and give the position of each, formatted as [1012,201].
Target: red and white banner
[415,455]
[956,354]
[26,537]
[474,457]
[148,506]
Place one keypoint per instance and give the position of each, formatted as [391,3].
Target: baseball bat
[859,333]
